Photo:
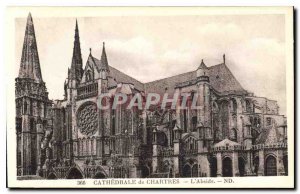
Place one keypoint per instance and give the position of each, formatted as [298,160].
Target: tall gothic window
[224,117]
[185,120]
[113,124]
[248,106]
[194,123]
[233,106]
[89,76]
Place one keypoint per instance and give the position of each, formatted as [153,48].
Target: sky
[154,47]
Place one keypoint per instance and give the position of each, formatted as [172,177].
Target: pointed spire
[104,62]
[76,27]
[76,66]
[30,63]
[202,65]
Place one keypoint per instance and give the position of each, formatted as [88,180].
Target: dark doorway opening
[213,167]
[285,164]
[145,171]
[271,166]
[74,174]
[52,176]
[242,166]
[99,175]
[227,167]
[186,171]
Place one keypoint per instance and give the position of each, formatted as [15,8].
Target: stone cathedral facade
[235,133]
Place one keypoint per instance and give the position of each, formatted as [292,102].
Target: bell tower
[33,117]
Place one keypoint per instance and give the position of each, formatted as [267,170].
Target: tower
[203,94]
[204,111]
[74,77]
[33,118]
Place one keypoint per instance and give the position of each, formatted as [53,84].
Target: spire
[224,58]
[104,62]
[76,66]
[30,63]
[202,65]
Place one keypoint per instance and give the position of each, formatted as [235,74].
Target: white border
[264,182]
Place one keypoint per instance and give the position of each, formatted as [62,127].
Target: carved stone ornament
[87,119]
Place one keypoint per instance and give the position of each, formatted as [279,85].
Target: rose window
[87,119]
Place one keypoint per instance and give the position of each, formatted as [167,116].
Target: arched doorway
[285,164]
[227,167]
[213,167]
[242,166]
[74,173]
[270,166]
[99,175]
[145,171]
[186,172]
[52,176]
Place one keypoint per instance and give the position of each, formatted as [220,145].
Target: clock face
[87,119]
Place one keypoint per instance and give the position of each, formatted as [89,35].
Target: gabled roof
[226,142]
[221,79]
[116,76]
[268,135]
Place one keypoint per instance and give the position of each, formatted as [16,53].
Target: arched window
[224,117]
[248,106]
[233,134]
[83,147]
[88,146]
[25,107]
[256,164]
[233,106]
[191,143]
[89,76]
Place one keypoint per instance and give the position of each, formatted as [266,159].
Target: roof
[268,135]
[221,79]
[30,63]
[168,84]
[118,76]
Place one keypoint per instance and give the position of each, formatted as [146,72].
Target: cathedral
[233,133]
